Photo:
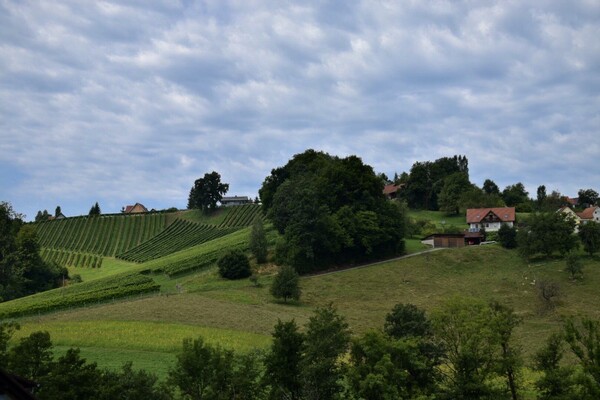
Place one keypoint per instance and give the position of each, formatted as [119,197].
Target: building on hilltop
[134,209]
[235,201]
[490,219]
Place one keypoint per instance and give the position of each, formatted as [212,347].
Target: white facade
[488,226]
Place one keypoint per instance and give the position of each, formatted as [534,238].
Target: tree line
[466,349]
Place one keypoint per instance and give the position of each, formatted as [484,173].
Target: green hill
[240,315]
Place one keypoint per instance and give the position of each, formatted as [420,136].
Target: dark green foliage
[42,216]
[207,192]
[587,197]
[95,210]
[548,293]
[327,339]
[71,377]
[557,382]
[547,233]
[234,265]
[426,180]
[131,385]
[589,233]
[406,320]
[282,363]
[477,338]
[507,236]
[490,187]
[286,284]
[454,187]
[514,195]
[474,197]
[574,266]
[204,372]
[383,367]
[57,211]
[541,195]
[330,210]
[32,356]
[583,338]
[22,270]
[258,241]
[7,329]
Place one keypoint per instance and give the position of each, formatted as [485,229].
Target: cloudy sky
[131,101]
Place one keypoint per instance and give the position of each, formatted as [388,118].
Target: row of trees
[464,350]
[22,270]
[444,185]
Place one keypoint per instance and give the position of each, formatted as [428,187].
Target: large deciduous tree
[587,197]
[547,233]
[514,195]
[207,192]
[330,210]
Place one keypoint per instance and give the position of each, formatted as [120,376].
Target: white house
[235,201]
[590,214]
[490,219]
[570,214]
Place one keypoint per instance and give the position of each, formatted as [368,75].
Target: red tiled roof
[388,189]
[588,213]
[505,214]
[129,209]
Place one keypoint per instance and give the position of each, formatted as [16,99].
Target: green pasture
[440,218]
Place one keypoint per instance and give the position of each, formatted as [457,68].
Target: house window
[487,225]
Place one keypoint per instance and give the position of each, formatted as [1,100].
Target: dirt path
[375,263]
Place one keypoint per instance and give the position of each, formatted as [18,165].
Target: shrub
[507,236]
[234,265]
[286,284]
[574,266]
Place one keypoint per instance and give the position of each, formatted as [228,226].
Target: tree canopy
[330,210]
[207,192]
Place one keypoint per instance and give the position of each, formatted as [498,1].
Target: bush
[286,284]
[507,236]
[234,265]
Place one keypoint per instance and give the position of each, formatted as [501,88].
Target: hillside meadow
[237,314]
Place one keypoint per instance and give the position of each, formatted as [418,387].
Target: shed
[445,240]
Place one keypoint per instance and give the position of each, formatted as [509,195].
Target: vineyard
[240,216]
[67,258]
[116,286]
[178,236]
[102,235]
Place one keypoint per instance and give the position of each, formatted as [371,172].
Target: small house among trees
[490,219]
[391,191]
[235,201]
[135,209]
[590,214]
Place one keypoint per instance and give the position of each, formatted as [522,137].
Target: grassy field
[240,315]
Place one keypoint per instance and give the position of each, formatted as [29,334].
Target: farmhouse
[490,219]
[590,214]
[235,201]
[391,191]
[135,209]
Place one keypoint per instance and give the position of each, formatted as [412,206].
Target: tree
[282,363]
[95,210]
[589,233]
[548,292]
[507,236]
[477,198]
[234,265]
[42,216]
[131,384]
[7,329]
[406,320]
[556,382]
[207,192]
[541,195]
[466,330]
[503,323]
[32,356]
[454,186]
[514,195]
[57,211]
[547,232]
[574,266]
[587,197]
[327,339]
[286,284]
[583,338]
[490,187]
[258,241]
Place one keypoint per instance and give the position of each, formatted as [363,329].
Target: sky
[131,101]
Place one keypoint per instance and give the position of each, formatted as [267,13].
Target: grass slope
[240,315]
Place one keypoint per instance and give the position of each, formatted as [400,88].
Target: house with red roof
[135,209]
[589,214]
[391,191]
[490,219]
